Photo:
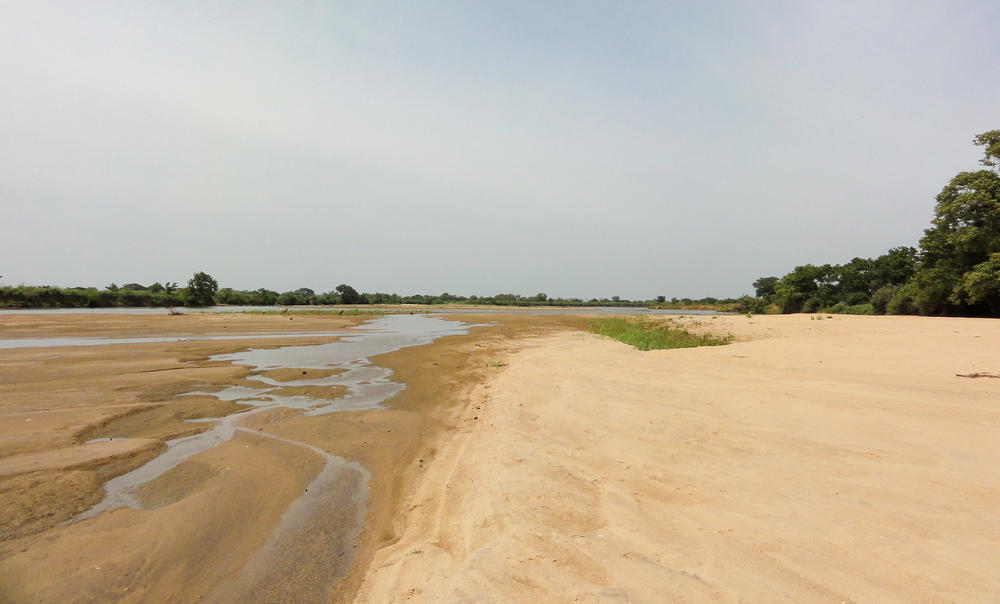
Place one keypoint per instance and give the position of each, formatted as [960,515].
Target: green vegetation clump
[652,335]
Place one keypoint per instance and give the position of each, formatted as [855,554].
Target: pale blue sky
[581,149]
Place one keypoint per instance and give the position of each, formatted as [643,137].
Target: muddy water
[330,513]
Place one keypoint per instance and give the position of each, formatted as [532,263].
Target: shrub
[840,308]
[811,305]
[881,298]
[902,302]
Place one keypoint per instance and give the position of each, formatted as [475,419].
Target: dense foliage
[955,272]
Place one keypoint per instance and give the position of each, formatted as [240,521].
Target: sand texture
[813,460]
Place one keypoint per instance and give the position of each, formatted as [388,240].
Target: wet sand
[814,460]
[215,515]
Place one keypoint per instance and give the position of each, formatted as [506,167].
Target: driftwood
[979,374]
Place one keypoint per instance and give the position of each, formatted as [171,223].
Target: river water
[611,310]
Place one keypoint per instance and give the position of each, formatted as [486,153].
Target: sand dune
[834,460]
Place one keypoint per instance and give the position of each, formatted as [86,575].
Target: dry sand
[834,460]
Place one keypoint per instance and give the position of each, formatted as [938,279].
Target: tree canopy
[956,271]
[201,289]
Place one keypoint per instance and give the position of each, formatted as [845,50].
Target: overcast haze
[580,149]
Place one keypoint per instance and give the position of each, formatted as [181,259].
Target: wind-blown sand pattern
[835,460]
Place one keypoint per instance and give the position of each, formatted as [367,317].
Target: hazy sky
[580,149]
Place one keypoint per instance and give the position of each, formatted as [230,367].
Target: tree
[853,278]
[807,288]
[348,295]
[990,141]
[895,267]
[201,289]
[764,287]
[966,224]
[981,286]
[964,234]
[288,299]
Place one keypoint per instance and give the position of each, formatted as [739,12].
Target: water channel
[341,485]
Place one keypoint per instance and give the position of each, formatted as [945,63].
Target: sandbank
[834,459]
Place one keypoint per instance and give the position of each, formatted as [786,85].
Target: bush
[902,302]
[840,308]
[881,298]
[861,309]
[811,305]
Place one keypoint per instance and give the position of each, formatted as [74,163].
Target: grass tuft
[651,335]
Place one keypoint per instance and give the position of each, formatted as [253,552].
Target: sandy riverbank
[814,460]
[215,512]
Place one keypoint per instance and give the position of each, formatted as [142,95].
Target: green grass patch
[652,335]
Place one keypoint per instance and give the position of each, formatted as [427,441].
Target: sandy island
[814,460]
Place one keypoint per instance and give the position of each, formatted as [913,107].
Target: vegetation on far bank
[646,334]
[203,290]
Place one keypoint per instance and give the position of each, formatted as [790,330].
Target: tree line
[203,290]
[956,271]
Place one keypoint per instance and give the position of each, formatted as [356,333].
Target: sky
[581,149]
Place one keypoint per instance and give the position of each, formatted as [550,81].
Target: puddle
[342,482]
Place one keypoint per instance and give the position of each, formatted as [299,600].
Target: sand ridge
[834,460]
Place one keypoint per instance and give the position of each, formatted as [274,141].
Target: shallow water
[367,387]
